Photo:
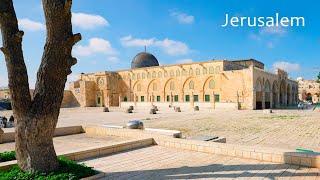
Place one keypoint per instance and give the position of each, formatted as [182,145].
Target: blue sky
[176,31]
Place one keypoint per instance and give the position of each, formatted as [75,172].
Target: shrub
[68,170]
[7,156]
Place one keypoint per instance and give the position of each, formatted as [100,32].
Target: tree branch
[18,36]
[67,5]
[12,50]
[74,39]
[56,60]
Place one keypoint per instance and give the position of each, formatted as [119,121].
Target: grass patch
[7,156]
[68,170]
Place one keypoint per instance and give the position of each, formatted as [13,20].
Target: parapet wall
[275,155]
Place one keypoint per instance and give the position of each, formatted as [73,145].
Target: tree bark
[36,117]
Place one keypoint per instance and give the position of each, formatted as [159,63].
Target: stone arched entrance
[259,92]
[154,91]
[275,94]
[99,99]
[267,95]
[289,97]
[283,94]
[172,91]
[191,91]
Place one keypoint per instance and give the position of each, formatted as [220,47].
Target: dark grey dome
[144,59]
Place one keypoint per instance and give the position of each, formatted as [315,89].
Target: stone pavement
[288,129]
[76,142]
[156,162]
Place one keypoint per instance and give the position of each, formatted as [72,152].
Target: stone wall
[210,82]
[69,100]
[309,90]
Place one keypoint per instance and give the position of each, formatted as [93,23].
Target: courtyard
[287,129]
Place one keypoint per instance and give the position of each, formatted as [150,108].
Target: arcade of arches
[215,83]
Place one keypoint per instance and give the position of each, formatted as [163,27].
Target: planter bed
[68,170]
[7,156]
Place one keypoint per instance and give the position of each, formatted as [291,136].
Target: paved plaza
[158,162]
[287,129]
[78,142]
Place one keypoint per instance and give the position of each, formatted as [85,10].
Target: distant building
[68,98]
[4,93]
[242,84]
[309,90]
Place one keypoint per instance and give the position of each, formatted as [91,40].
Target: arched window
[211,70]
[139,87]
[258,86]
[267,87]
[138,76]
[134,77]
[211,84]
[154,74]
[159,74]
[143,75]
[154,86]
[217,69]
[204,71]
[191,85]
[184,72]
[165,74]
[177,72]
[171,85]
[190,71]
[197,71]
[171,73]
[148,75]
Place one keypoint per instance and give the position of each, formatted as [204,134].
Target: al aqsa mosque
[236,84]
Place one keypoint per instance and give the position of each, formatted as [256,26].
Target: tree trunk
[36,117]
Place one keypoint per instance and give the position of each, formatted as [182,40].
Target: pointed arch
[259,90]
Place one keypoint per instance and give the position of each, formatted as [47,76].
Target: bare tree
[37,115]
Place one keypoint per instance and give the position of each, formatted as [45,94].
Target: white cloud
[29,25]
[275,30]
[129,41]
[96,45]
[113,59]
[183,61]
[169,46]
[88,21]
[182,18]
[286,66]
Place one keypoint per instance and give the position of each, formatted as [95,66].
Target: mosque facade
[240,84]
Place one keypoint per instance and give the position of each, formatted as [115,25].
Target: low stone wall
[250,152]
[60,131]
[95,152]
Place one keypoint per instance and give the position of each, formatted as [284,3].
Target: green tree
[37,116]
[318,78]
